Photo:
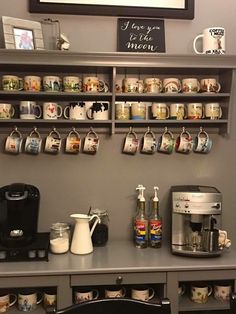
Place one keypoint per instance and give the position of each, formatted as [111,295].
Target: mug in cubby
[222,291]
[131,143]
[92,84]
[142,292]
[138,110]
[28,299]
[171,85]
[152,85]
[50,298]
[177,111]
[149,144]
[200,291]
[209,85]
[83,294]
[32,83]
[190,85]
[52,83]
[7,300]
[160,111]
[30,110]
[99,111]
[7,111]
[122,110]
[213,111]
[195,110]
[72,84]
[166,142]
[51,111]
[14,141]
[12,83]
[115,292]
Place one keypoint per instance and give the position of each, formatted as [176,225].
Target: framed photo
[175,9]
[22,34]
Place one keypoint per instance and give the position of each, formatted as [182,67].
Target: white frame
[9,23]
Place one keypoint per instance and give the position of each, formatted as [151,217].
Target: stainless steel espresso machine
[196,220]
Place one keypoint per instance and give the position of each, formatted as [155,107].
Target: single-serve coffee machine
[19,239]
[196,220]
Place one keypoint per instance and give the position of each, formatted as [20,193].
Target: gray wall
[71,184]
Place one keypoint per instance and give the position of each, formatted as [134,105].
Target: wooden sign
[141,35]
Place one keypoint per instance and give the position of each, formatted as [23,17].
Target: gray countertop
[118,257]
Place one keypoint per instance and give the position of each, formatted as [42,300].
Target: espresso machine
[196,220]
[19,239]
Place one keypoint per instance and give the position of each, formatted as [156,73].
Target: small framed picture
[22,34]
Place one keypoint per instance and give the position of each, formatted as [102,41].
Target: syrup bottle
[155,223]
[141,221]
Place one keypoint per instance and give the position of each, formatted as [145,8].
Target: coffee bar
[117,159]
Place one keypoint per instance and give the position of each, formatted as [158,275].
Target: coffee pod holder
[91,142]
[148,142]
[131,142]
[73,142]
[34,134]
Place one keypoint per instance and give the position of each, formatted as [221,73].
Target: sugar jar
[59,238]
[100,233]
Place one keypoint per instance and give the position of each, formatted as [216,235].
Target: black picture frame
[35,6]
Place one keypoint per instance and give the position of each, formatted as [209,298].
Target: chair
[117,306]
[233,303]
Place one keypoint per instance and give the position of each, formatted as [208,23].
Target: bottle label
[140,230]
[155,230]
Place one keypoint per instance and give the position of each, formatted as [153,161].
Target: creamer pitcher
[81,240]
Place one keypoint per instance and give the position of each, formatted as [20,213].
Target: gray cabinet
[113,66]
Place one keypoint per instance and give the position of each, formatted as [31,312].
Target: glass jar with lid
[100,233]
[59,238]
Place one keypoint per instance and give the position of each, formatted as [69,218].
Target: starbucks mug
[14,141]
[6,301]
[7,111]
[149,143]
[184,142]
[131,143]
[33,142]
[213,111]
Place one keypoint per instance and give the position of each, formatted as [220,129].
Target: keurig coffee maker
[196,220]
[19,239]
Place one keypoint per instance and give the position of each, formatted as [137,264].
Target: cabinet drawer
[118,278]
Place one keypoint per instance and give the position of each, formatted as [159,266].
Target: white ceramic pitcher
[81,240]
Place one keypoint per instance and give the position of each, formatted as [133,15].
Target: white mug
[53,142]
[213,111]
[202,142]
[7,111]
[75,111]
[131,143]
[213,41]
[33,142]
[149,144]
[184,142]
[200,292]
[152,85]
[177,111]
[91,143]
[7,300]
[28,110]
[73,142]
[115,292]
[28,300]
[86,294]
[99,111]
[171,85]
[92,84]
[222,292]
[160,111]
[14,141]
[142,293]
[51,111]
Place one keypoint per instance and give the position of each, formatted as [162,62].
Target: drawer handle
[119,280]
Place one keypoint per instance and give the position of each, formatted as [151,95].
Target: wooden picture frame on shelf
[22,34]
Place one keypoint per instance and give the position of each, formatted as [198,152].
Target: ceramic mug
[98,111]
[149,144]
[33,143]
[12,83]
[181,289]
[171,85]
[138,110]
[224,242]
[28,300]
[14,141]
[73,142]
[6,301]
[143,293]
[202,142]
[51,111]
[75,111]
[52,83]
[190,85]
[213,41]
[122,110]
[91,143]
[200,292]
[213,111]
[210,85]
[166,142]
[195,111]
[50,299]
[131,143]
[7,111]
[130,85]
[222,292]
[152,85]
[92,84]
[32,83]
[177,111]
[184,142]
[28,110]
[85,294]
[118,86]
[115,292]
[53,142]
[160,111]
[72,84]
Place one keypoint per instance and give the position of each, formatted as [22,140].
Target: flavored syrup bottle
[155,222]
[141,221]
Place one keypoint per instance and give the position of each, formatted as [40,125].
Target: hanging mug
[53,142]
[184,142]
[72,142]
[33,142]
[91,142]
[202,142]
[166,142]
[149,143]
[131,143]
[14,142]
